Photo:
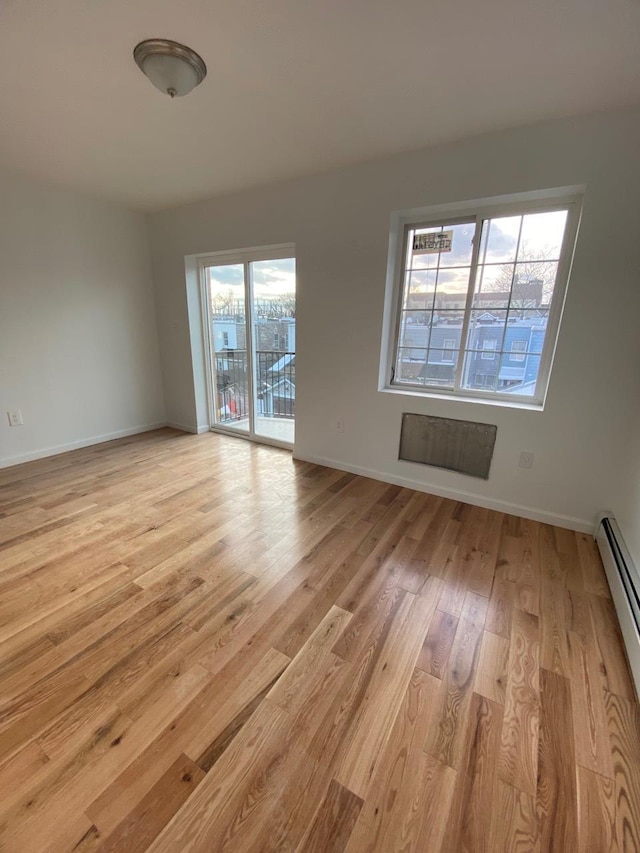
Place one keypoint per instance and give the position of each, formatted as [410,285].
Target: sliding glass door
[250,311]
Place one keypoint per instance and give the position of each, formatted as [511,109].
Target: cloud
[270,278]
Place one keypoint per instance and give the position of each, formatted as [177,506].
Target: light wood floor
[207,646]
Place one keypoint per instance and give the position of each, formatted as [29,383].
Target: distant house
[275,367]
[502,356]
[280,399]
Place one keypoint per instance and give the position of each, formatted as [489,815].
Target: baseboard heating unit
[624,583]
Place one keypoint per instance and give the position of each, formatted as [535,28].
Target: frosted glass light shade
[172,68]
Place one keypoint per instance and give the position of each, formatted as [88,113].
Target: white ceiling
[294,86]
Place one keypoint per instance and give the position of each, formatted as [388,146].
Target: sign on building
[435,241]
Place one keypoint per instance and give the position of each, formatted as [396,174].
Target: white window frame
[569,198]
[244,257]
[518,354]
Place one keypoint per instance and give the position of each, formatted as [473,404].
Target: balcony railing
[275,385]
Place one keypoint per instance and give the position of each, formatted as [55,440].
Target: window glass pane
[461,246]
[542,235]
[414,329]
[519,348]
[457,246]
[423,259]
[515,372]
[419,288]
[500,239]
[527,325]
[446,336]
[411,366]
[533,284]
[480,374]
[448,317]
[419,261]
[274,339]
[441,366]
[489,348]
[493,286]
[518,377]
[229,345]
[485,325]
[452,289]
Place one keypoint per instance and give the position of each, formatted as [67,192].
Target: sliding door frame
[244,257]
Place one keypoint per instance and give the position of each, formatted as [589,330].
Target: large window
[478,300]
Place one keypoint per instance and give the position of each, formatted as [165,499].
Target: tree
[223,302]
[277,307]
[531,281]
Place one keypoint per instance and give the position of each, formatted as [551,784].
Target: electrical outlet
[339,425]
[526,459]
[15,418]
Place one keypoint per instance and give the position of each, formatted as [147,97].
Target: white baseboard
[456,494]
[8,461]
[184,428]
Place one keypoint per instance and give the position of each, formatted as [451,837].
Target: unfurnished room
[319,427]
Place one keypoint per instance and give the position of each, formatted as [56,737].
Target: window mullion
[513,279]
[477,239]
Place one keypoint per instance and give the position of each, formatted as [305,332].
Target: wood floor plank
[207,645]
[451,563]
[155,810]
[437,644]
[595,580]
[445,738]
[238,777]
[388,682]
[334,581]
[23,765]
[334,822]
[520,731]
[514,825]
[623,719]
[578,617]
[469,820]
[493,668]
[530,570]
[392,811]
[596,813]
[417,824]
[196,731]
[295,683]
[73,782]
[501,602]
[301,781]
[614,667]
[593,749]
[554,648]
[557,793]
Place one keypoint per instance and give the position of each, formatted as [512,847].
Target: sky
[541,239]
[270,278]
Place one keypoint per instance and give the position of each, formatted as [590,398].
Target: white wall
[340,224]
[79,350]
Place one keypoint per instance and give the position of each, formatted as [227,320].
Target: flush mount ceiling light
[171,67]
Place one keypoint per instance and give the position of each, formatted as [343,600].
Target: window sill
[455,398]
